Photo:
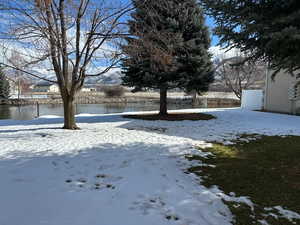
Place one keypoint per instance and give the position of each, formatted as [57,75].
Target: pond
[30,111]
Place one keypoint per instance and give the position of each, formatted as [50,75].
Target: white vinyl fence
[252,99]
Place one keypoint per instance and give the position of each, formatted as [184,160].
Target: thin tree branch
[28,73]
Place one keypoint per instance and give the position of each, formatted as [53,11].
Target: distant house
[45,87]
[282,94]
[13,88]
[89,88]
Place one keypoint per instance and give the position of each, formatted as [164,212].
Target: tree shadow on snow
[87,168]
[29,130]
[51,181]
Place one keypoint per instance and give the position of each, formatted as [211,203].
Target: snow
[263,222]
[287,213]
[118,171]
[232,198]
[290,215]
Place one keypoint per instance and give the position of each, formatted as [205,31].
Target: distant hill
[113,77]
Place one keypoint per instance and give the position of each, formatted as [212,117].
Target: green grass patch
[267,170]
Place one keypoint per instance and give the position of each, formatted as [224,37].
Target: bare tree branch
[68,36]
[28,73]
[238,73]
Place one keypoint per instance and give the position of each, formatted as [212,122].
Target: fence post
[37,109]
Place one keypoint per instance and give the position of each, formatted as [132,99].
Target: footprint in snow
[106,166]
[172,217]
[99,182]
[147,205]
[43,135]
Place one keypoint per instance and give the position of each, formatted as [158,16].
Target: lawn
[266,169]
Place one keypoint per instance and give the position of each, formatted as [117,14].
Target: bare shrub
[113,91]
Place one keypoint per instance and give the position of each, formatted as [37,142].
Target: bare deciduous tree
[72,38]
[237,74]
[16,77]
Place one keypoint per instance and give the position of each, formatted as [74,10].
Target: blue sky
[209,21]
[211,24]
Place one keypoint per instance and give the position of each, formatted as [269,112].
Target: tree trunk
[19,89]
[69,113]
[194,100]
[163,102]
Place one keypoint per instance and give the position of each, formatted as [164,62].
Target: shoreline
[205,102]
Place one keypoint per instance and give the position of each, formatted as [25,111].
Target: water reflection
[30,112]
[4,112]
[17,112]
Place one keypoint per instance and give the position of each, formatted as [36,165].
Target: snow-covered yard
[117,171]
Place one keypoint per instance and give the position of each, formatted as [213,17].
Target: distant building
[89,88]
[282,94]
[13,88]
[45,87]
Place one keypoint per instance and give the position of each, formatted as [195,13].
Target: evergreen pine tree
[266,29]
[168,48]
[4,85]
